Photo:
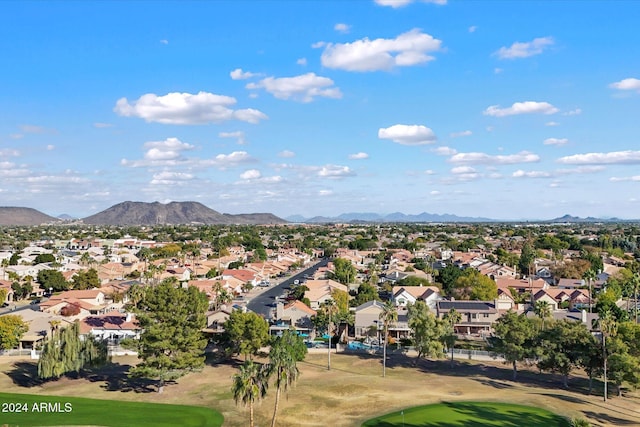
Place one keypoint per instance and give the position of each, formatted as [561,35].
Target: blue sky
[509,110]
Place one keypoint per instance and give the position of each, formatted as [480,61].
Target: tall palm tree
[249,386]
[451,318]
[331,308]
[608,327]
[542,309]
[388,315]
[282,364]
[589,276]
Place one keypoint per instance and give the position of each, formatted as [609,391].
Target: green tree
[44,258]
[542,309]
[245,333]
[250,385]
[527,257]
[52,279]
[3,295]
[86,279]
[284,354]
[172,342]
[366,293]
[562,347]
[65,352]
[450,337]
[344,271]
[589,276]
[12,328]
[513,338]
[388,316]
[427,331]
[448,276]
[472,285]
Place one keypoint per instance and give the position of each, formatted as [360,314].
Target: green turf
[459,414]
[111,413]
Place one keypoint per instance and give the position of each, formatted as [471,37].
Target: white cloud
[574,112]
[627,178]
[611,158]
[34,129]
[429,172]
[552,123]
[482,158]
[531,174]
[524,50]
[251,174]
[302,61]
[434,193]
[238,74]
[239,135]
[164,41]
[186,109]
[459,134]
[303,88]
[335,171]
[235,157]
[473,28]
[526,107]
[497,70]
[555,141]
[9,152]
[51,147]
[462,170]
[358,156]
[171,178]
[410,48]
[342,28]
[444,151]
[169,149]
[325,193]
[401,3]
[286,154]
[408,134]
[627,84]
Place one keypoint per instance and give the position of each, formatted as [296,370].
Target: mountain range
[142,213]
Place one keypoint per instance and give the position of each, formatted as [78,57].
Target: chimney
[128,317]
[583,316]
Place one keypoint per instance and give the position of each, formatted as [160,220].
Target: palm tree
[608,327]
[282,364]
[388,315]
[451,318]
[331,309]
[542,309]
[249,386]
[589,276]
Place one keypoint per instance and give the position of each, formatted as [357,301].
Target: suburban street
[262,303]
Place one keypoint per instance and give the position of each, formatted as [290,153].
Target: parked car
[35,301]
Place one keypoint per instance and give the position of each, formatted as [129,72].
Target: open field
[34,410]
[452,414]
[348,395]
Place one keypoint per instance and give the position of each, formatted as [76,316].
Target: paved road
[263,303]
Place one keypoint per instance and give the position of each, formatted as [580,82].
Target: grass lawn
[450,414]
[41,410]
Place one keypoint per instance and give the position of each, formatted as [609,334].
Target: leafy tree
[65,352]
[284,354]
[172,342]
[12,328]
[427,331]
[344,271]
[413,281]
[245,333]
[366,293]
[299,291]
[448,277]
[513,338]
[562,347]
[14,259]
[475,286]
[44,258]
[341,298]
[235,265]
[250,385]
[70,310]
[86,279]
[388,316]
[213,272]
[3,295]
[52,279]
[526,259]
